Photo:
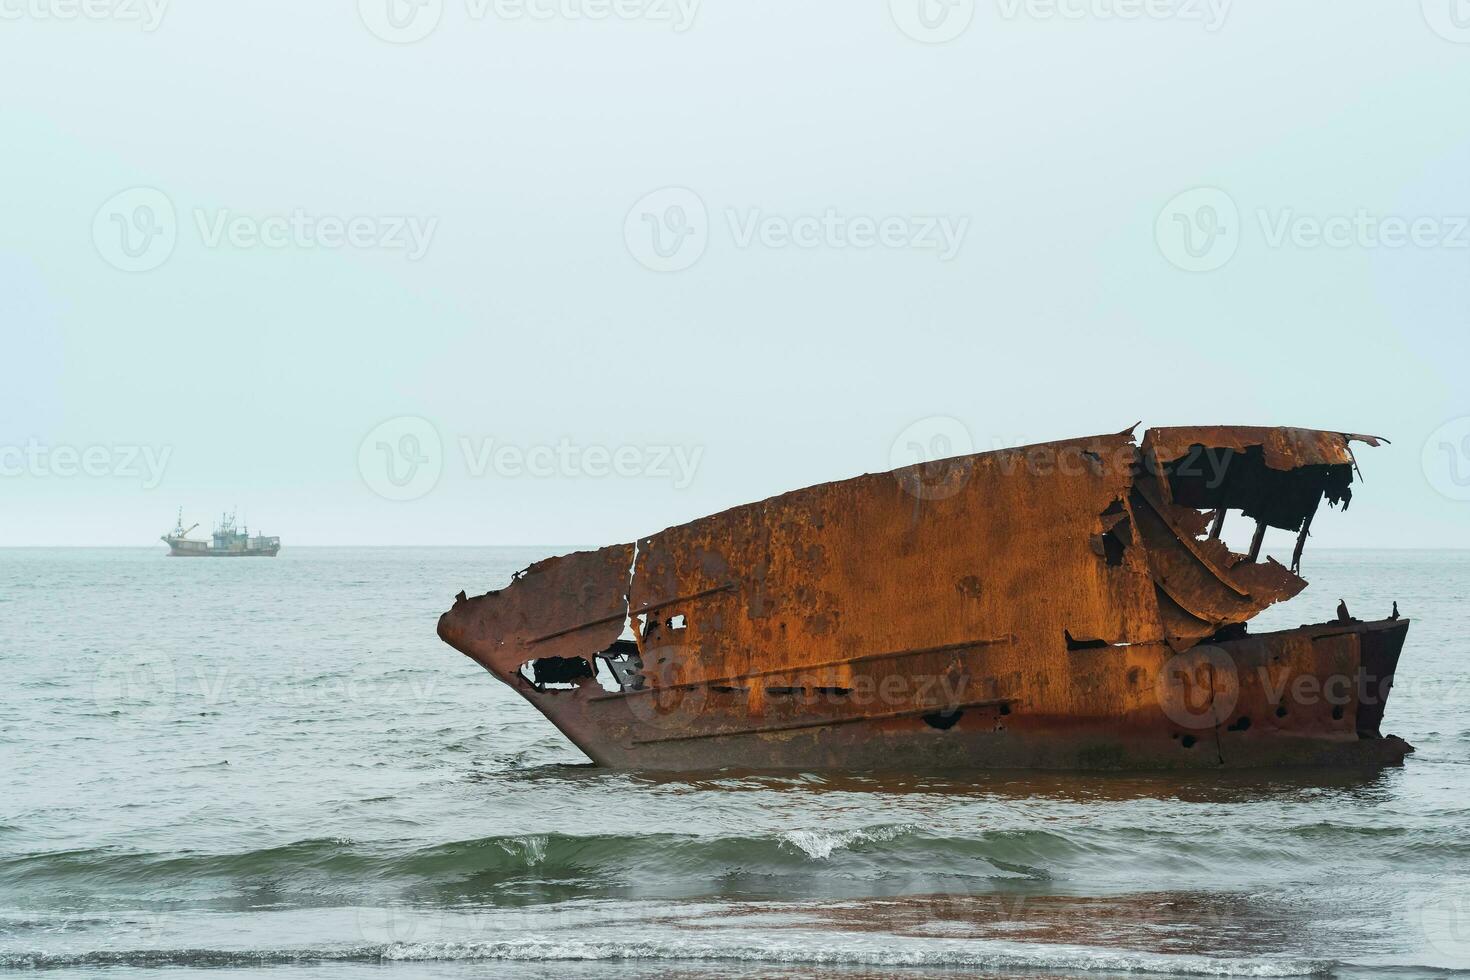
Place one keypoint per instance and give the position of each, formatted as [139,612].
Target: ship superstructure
[227,540]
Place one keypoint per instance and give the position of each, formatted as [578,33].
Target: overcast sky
[560,272]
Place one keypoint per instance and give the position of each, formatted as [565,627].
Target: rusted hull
[1308,697]
[1063,606]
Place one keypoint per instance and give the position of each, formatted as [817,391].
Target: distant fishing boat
[226,541]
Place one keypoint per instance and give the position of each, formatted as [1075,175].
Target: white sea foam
[820,844]
[531,847]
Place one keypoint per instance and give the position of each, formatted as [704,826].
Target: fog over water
[793,242]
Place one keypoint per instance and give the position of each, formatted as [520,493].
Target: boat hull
[185,548]
[1310,697]
[1071,605]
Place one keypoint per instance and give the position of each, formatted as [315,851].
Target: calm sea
[274,768]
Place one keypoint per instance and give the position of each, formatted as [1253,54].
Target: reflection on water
[1225,786]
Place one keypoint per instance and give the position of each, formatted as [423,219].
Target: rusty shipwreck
[1071,605]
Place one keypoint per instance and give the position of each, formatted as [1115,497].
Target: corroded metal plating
[1066,605]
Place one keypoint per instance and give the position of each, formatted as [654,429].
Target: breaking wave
[820,844]
[341,866]
[864,853]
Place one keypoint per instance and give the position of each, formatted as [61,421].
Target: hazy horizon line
[590,547]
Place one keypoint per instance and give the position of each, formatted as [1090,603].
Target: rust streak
[822,722]
[866,658]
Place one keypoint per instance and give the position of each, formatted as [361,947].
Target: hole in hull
[624,664]
[1075,644]
[557,673]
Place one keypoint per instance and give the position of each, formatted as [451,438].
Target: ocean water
[273,768]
